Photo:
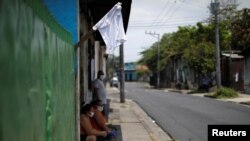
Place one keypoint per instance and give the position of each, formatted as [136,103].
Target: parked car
[114,82]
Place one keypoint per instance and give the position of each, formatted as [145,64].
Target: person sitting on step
[98,120]
[88,133]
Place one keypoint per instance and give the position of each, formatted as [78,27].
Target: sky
[160,17]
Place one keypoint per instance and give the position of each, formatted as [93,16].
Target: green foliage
[150,57]
[142,73]
[226,14]
[224,92]
[194,44]
[241,30]
[200,57]
[225,35]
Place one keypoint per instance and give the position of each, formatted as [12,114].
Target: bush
[224,92]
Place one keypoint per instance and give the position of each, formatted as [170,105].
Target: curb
[245,103]
[155,132]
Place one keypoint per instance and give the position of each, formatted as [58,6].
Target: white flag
[111,27]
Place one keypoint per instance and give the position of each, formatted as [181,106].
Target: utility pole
[157,35]
[122,92]
[214,9]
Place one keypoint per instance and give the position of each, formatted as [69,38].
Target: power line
[164,25]
[167,12]
[177,8]
[157,17]
[171,22]
[162,11]
[193,4]
[150,21]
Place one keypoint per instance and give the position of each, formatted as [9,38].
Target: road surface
[186,117]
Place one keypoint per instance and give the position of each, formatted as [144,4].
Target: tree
[200,54]
[195,44]
[149,57]
[227,12]
[192,43]
[142,72]
[175,43]
[201,57]
[241,30]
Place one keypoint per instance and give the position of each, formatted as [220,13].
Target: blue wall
[65,12]
[130,71]
[130,76]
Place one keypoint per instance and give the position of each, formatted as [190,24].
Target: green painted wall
[37,95]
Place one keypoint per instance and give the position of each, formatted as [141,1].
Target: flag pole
[122,92]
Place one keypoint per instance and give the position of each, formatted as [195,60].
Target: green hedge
[224,92]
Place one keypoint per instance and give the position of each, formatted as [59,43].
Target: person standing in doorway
[100,92]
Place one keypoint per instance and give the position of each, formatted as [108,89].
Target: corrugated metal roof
[234,56]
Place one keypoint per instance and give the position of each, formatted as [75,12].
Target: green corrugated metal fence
[37,94]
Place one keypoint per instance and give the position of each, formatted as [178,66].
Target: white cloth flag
[111,27]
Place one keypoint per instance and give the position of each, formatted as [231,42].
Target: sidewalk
[132,122]
[242,99]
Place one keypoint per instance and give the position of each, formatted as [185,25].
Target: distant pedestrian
[205,83]
[100,92]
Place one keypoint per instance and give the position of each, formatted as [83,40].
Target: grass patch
[224,92]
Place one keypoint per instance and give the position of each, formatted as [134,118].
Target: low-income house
[92,48]
[232,68]
[176,74]
[130,71]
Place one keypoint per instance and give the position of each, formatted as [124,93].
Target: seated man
[88,133]
[98,120]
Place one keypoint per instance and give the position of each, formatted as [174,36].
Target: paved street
[186,117]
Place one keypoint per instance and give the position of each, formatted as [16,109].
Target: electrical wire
[170,21]
[150,21]
[176,9]
[168,11]
[162,11]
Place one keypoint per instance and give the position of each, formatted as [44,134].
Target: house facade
[232,66]
[92,50]
[176,74]
[130,71]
